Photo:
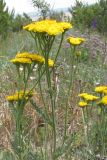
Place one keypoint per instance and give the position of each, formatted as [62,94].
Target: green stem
[52,102]
[72,77]
[59,46]
[85,127]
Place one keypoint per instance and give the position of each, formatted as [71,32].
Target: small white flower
[21,68]
[35,68]
[32,78]
[97,83]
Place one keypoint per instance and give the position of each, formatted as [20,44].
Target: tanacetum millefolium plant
[43,68]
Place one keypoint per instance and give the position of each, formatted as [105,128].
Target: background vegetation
[90,16]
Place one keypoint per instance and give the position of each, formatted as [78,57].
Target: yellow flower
[82,95]
[40,26]
[50,63]
[34,57]
[75,41]
[23,55]
[37,58]
[55,29]
[13,98]
[65,25]
[51,27]
[19,96]
[88,97]
[103,100]
[100,89]
[26,93]
[82,104]
[105,91]
[21,61]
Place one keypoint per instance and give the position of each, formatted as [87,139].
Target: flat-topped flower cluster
[51,27]
[75,40]
[28,58]
[20,95]
[86,98]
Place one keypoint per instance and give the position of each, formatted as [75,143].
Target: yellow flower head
[50,63]
[75,41]
[105,91]
[55,29]
[100,89]
[51,27]
[26,93]
[34,57]
[82,104]
[23,55]
[21,61]
[65,25]
[82,95]
[103,100]
[19,96]
[88,97]
[40,26]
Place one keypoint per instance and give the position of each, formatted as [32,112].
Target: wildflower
[40,26]
[12,98]
[82,104]
[82,94]
[32,78]
[75,41]
[105,91]
[65,25]
[88,97]
[23,55]
[21,61]
[37,58]
[34,57]
[100,89]
[21,68]
[19,96]
[103,100]
[54,30]
[26,93]
[94,23]
[50,63]
[51,27]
